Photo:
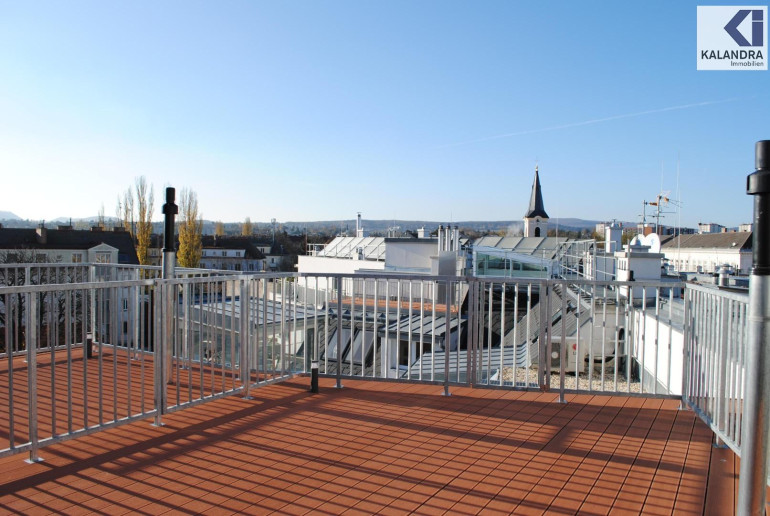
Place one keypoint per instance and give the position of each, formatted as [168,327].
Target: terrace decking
[375,447]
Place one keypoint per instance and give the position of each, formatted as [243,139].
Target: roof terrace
[551,407]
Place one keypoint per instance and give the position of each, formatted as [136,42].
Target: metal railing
[103,352]
[715,358]
[85,364]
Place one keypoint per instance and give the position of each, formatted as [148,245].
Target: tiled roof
[740,241]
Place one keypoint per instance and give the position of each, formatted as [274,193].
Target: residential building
[708,252]
[67,245]
[709,227]
[231,254]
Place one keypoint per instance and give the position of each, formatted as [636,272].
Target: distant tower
[536,219]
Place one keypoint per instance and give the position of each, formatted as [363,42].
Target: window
[125,305]
[77,258]
[102,257]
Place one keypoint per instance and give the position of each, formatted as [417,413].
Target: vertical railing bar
[643,340]
[514,330]
[670,340]
[88,304]
[339,333]
[564,352]
[127,291]
[375,338]
[273,365]
[305,344]
[410,318]
[578,341]
[528,365]
[447,339]
[100,317]
[31,342]
[502,332]
[604,336]
[630,336]
[422,326]
[114,312]
[398,329]
[70,320]
[456,309]
[187,297]
[657,341]
[10,337]
[433,332]
[592,318]
[52,316]
[547,325]
[488,366]
[202,295]
[141,332]
[326,327]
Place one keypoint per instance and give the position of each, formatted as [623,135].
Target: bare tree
[190,230]
[219,228]
[247,228]
[127,217]
[100,219]
[145,199]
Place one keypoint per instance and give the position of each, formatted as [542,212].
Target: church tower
[536,219]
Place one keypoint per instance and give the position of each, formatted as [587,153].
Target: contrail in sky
[593,121]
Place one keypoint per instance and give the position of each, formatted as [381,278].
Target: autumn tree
[144,200]
[190,230]
[247,228]
[219,228]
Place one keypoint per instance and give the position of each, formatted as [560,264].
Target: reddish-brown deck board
[386,448]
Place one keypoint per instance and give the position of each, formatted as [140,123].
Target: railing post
[447,339]
[159,354]
[472,332]
[245,338]
[686,349]
[339,331]
[31,342]
[165,306]
[754,439]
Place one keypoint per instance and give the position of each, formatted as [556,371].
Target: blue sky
[315,110]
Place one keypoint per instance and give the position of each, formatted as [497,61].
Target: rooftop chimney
[42,234]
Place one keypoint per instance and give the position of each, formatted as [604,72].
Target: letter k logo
[756,28]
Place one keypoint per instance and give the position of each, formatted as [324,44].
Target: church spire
[536,208]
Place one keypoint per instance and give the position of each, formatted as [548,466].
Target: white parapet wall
[658,347]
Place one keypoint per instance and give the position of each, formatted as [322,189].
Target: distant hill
[7,215]
[329,226]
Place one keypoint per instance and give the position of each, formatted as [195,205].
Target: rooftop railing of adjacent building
[116,349]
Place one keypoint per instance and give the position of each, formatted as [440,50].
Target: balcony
[200,402]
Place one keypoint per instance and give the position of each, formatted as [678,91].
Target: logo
[757,37]
[732,38]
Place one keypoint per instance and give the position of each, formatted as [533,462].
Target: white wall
[412,255]
[650,345]
[689,259]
